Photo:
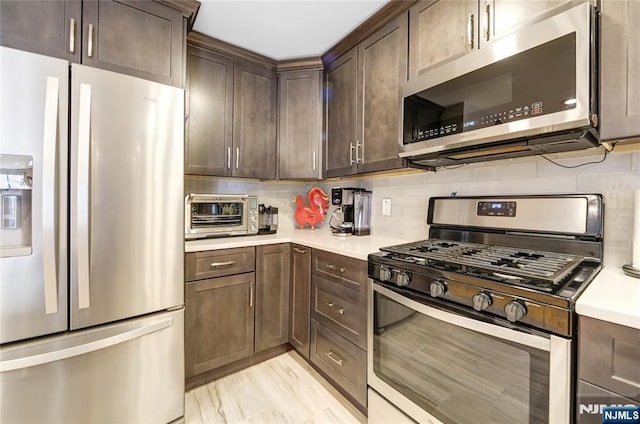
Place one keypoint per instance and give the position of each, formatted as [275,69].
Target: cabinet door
[441,31]
[209,92]
[620,70]
[50,27]
[299,121]
[254,121]
[504,16]
[341,98]
[140,38]
[219,322]
[300,298]
[272,296]
[382,62]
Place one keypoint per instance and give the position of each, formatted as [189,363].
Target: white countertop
[613,296]
[353,246]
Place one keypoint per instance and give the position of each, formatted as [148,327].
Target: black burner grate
[502,262]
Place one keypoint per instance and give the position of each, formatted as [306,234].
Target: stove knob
[403,279]
[481,301]
[515,310]
[437,288]
[385,273]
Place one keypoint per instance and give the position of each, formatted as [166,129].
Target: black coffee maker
[353,213]
[267,219]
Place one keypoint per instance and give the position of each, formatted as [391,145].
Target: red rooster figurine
[315,212]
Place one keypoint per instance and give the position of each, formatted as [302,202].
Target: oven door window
[455,373]
[216,214]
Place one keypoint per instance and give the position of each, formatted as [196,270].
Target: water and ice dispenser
[16,182]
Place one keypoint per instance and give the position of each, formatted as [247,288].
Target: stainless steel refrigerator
[91,243]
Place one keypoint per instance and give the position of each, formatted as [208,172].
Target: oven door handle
[504,333]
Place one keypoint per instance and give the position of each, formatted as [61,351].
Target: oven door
[438,365]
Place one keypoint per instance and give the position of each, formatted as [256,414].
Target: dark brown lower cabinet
[272,296]
[608,368]
[219,322]
[300,299]
[342,361]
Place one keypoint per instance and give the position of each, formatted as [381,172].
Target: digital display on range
[496,209]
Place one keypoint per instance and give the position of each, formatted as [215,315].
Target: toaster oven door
[211,216]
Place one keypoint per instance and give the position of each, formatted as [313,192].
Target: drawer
[343,362]
[347,271]
[590,400]
[218,263]
[609,356]
[341,309]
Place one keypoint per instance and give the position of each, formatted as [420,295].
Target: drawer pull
[331,305]
[334,267]
[331,355]
[300,250]
[219,264]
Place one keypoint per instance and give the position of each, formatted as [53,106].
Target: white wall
[615,178]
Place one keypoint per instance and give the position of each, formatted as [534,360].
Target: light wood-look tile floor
[284,389]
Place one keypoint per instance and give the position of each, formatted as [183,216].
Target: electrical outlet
[386,207]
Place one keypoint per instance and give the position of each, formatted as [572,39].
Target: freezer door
[129,372]
[33,181]
[127,241]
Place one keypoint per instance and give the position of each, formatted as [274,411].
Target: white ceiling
[283,29]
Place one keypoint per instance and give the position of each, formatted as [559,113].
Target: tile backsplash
[615,178]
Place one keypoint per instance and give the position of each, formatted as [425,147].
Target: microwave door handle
[49,141]
[82,196]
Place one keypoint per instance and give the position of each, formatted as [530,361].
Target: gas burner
[549,267]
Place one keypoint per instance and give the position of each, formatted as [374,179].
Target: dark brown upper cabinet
[209,104]
[48,27]
[231,108]
[362,110]
[140,38]
[444,30]
[299,124]
[619,70]
[254,121]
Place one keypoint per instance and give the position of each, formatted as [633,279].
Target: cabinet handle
[331,355]
[470,34]
[90,42]
[251,295]
[228,157]
[314,161]
[351,147]
[219,264]
[237,157]
[303,251]
[334,267]
[487,12]
[358,146]
[340,310]
[72,35]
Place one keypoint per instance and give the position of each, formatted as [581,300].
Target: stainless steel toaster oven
[219,215]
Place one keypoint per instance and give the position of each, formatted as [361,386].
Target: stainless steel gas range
[477,322]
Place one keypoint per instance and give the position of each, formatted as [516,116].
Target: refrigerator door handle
[82,200]
[50,137]
[84,348]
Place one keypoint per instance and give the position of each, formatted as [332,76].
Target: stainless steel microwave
[219,215]
[532,92]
